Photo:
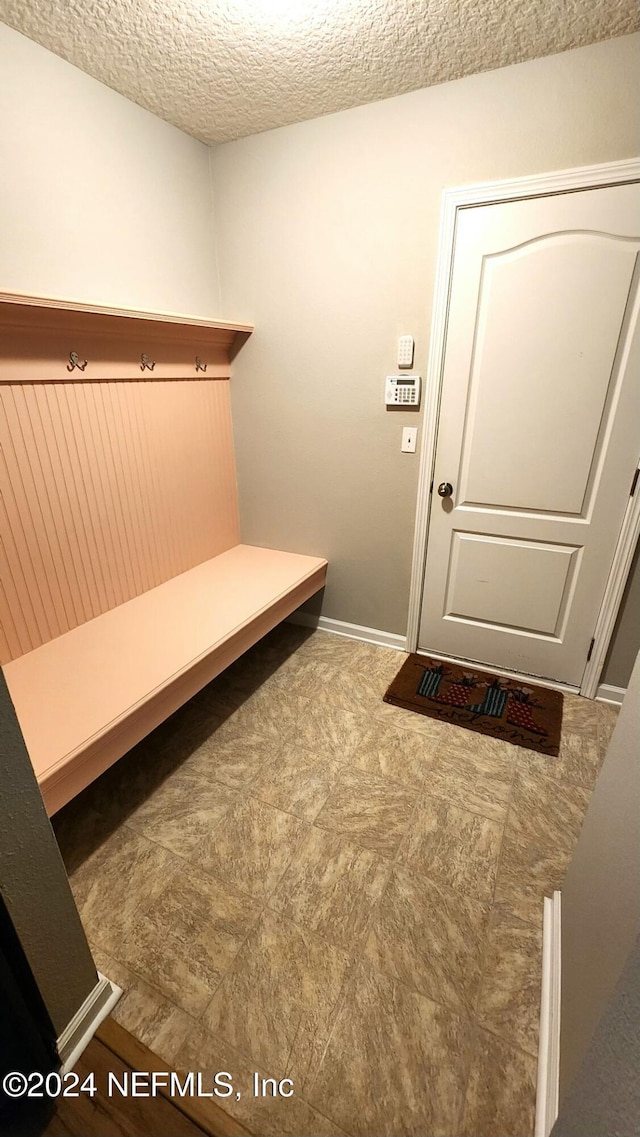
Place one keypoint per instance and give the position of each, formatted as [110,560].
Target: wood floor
[115,1051]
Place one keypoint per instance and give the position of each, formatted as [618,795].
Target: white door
[539,429]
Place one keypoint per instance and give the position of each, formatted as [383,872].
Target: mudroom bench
[125,588]
[86,697]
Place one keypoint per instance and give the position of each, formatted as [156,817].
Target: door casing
[485,193]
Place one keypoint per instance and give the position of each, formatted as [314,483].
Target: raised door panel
[542,369]
[510,584]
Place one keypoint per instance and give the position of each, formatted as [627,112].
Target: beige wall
[327,236]
[99,200]
[601,891]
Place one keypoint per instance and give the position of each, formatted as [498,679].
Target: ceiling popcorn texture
[221,69]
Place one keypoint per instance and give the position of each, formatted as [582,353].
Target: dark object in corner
[27,1036]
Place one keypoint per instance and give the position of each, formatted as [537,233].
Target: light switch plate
[409,439]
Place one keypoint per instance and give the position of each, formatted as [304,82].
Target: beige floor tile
[296,781]
[403,755]
[248,676]
[285,671]
[400,718]
[232,761]
[266,713]
[579,760]
[252,847]
[607,719]
[184,940]
[453,847]
[343,654]
[494,757]
[111,884]
[509,1001]
[338,652]
[373,812]
[144,1011]
[547,814]
[183,810]
[545,817]
[331,887]
[343,689]
[383,662]
[430,938]
[304,675]
[479,785]
[525,876]
[277,1002]
[396,1063]
[326,731]
[80,829]
[270,1116]
[579,715]
[130,781]
[500,1099]
[360,690]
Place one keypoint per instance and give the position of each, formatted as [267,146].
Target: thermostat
[402,391]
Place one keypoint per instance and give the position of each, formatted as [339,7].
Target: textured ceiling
[221,69]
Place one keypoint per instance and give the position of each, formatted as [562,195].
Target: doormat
[521,713]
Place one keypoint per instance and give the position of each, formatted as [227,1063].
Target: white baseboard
[78,1033]
[608,694]
[549,1045]
[351,631]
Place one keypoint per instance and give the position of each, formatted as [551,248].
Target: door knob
[445,489]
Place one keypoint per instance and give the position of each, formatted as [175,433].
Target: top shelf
[38,335]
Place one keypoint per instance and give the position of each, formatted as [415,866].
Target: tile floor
[292,877]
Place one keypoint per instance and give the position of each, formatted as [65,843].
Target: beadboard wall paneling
[107,489]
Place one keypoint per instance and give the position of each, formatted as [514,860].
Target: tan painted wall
[327,237]
[99,200]
[601,891]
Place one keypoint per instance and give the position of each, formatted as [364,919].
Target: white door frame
[484,193]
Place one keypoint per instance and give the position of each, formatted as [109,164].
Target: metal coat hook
[146,363]
[74,361]
[200,366]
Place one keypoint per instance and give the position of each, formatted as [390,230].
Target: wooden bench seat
[84,698]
